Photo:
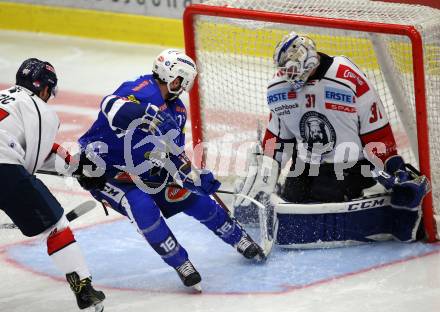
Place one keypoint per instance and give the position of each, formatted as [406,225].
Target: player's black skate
[250,249]
[86,295]
[189,275]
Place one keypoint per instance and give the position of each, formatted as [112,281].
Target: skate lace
[77,285]
[243,244]
[186,269]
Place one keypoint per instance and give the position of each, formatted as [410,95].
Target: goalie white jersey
[335,114]
[28,127]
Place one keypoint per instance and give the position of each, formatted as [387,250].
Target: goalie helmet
[295,58]
[170,64]
[35,75]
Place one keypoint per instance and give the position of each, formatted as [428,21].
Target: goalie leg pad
[340,224]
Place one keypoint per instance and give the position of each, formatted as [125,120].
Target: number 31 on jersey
[375,113]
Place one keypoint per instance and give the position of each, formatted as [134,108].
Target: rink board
[121,259]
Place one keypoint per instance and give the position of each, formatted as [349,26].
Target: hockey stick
[264,235]
[223,205]
[74,214]
[158,184]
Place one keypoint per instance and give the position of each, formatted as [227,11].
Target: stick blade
[81,210]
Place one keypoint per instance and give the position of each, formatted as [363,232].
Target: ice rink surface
[388,277]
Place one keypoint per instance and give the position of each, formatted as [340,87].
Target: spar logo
[317,132]
[339,95]
[347,73]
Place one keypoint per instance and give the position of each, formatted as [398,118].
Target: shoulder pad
[348,73]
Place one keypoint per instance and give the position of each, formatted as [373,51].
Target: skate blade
[197,287]
[96,308]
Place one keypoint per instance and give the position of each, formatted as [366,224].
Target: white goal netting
[234,56]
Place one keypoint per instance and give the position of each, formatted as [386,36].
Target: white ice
[95,68]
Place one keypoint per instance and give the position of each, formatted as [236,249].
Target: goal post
[397,46]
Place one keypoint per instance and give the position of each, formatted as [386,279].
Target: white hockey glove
[262,176]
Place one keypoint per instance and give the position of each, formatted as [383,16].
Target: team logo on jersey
[340,107]
[281,95]
[284,109]
[133,99]
[176,194]
[339,95]
[141,85]
[317,132]
[347,73]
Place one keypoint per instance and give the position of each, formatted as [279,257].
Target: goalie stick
[263,238]
[75,213]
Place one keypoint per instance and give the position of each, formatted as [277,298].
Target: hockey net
[396,45]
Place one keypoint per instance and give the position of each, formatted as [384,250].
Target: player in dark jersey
[141,125]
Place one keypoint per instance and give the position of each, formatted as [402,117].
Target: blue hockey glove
[158,122]
[203,184]
[408,186]
[410,193]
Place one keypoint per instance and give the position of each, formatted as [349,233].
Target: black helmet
[34,75]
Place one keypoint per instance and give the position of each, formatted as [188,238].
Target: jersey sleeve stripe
[116,106]
[384,136]
[108,104]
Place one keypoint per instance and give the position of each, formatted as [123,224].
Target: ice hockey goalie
[346,183]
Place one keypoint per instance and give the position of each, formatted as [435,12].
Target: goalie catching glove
[262,176]
[407,185]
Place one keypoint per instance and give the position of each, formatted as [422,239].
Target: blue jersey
[128,103]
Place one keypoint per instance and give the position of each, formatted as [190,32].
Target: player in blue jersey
[139,136]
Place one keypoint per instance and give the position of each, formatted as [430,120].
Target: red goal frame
[405,30]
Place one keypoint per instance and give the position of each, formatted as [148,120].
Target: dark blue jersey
[127,104]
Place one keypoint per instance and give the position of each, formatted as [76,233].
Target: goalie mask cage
[396,45]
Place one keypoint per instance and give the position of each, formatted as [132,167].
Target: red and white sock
[65,252]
